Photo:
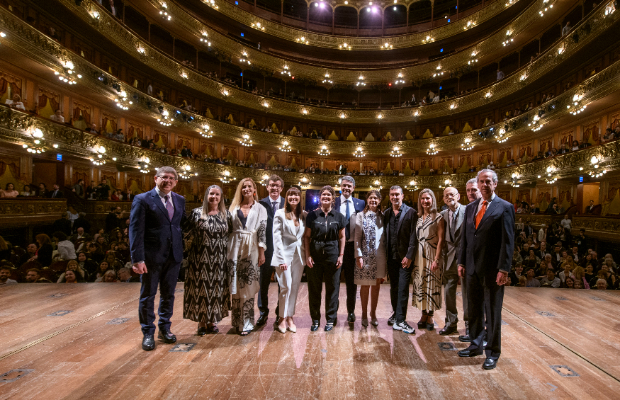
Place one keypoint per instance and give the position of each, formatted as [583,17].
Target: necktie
[169,207]
[453,225]
[274,207]
[348,217]
[480,214]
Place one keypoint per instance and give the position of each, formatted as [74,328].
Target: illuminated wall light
[343,115]
[2,34]
[452,106]
[488,95]
[379,116]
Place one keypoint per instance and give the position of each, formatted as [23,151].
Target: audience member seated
[31,251]
[55,193]
[550,280]
[71,277]
[569,283]
[66,249]
[531,279]
[9,191]
[103,268]
[109,276]
[5,273]
[44,251]
[34,276]
[86,264]
[82,222]
[124,275]
[95,253]
[28,192]
[601,284]
[16,103]
[74,266]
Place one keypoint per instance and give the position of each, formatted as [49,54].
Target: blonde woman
[427,274]
[206,298]
[288,256]
[370,254]
[246,252]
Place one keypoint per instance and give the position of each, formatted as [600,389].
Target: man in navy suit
[156,247]
[487,244]
[272,203]
[348,206]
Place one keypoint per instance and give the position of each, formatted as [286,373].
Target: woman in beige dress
[428,270]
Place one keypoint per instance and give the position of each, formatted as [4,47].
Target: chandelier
[286,147]
[399,79]
[226,178]
[304,184]
[244,58]
[165,119]
[286,71]
[143,165]
[122,102]
[205,38]
[359,152]
[467,145]
[536,124]
[597,171]
[550,178]
[327,79]
[302,40]
[501,136]
[576,106]
[37,144]
[514,180]
[377,186]
[186,172]
[100,157]
[324,151]
[360,81]
[412,186]
[431,151]
[246,141]
[206,132]
[396,152]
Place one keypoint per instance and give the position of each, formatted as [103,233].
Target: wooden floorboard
[81,355]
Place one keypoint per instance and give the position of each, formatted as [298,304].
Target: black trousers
[166,277]
[399,288]
[348,266]
[327,271]
[266,270]
[485,297]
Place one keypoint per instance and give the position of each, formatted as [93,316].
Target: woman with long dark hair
[370,254]
[206,298]
[288,256]
[324,241]
[246,252]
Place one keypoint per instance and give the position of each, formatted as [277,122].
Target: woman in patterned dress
[206,298]
[370,254]
[427,274]
[246,252]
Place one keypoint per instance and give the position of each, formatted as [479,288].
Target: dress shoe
[351,318]
[469,353]
[329,326]
[202,330]
[292,328]
[148,343]
[315,326]
[374,321]
[448,330]
[489,363]
[392,319]
[167,337]
[364,322]
[277,328]
[262,320]
[430,326]
[465,338]
[422,322]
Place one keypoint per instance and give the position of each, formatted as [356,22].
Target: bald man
[454,219]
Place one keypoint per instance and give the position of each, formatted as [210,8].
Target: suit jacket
[266,202]
[452,239]
[407,238]
[488,249]
[153,237]
[55,194]
[358,207]
[287,240]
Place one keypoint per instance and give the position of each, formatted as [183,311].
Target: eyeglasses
[274,185]
[167,178]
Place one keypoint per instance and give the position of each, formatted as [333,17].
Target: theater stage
[83,341]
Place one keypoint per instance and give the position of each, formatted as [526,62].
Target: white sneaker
[403,326]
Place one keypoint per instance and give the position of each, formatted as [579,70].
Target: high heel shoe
[277,328]
[202,330]
[364,322]
[430,325]
[422,322]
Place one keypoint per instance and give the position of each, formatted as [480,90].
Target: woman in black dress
[206,298]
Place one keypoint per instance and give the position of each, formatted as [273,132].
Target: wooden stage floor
[83,341]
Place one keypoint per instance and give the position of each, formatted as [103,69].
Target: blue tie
[348,216]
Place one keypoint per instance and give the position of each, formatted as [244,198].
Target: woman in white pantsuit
[288,256]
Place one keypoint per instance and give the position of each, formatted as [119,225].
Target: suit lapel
[159,203]
[403,211]
[490,210]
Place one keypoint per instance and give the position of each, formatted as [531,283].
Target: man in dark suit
[487,245]
[590,208]
[348,206]
[272,203]
[56,193]
[156,245]
[399,223]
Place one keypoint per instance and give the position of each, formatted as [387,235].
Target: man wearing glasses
[272,203]
[156,246]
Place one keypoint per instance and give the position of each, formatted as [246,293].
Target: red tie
[480,214]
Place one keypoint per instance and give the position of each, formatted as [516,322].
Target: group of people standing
[233,253]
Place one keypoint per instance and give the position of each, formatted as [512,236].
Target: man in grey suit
[454,219]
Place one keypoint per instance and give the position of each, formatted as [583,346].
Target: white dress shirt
[161,196]
[343,206]
[488,203]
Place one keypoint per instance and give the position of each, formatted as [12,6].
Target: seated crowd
[553,258]
[72,254]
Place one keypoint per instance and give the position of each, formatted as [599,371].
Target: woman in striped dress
[428,270]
